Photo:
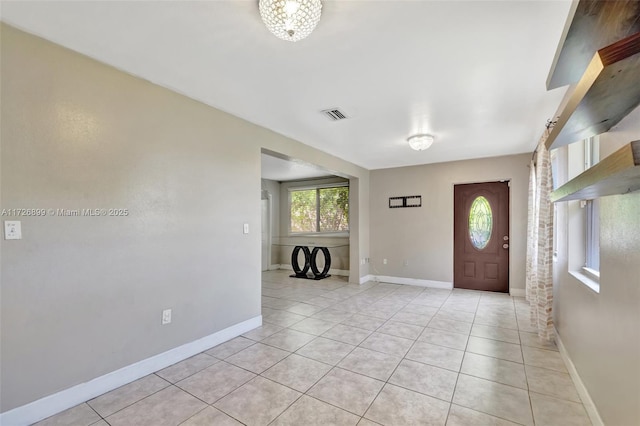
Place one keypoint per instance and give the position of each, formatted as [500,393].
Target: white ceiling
[470,72]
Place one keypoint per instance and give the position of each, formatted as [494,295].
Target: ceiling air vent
[335,114]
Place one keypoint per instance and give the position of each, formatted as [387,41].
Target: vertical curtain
[532,236]
[539,279]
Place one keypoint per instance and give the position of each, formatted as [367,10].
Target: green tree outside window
[320,210]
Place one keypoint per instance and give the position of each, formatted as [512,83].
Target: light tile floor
[333,353]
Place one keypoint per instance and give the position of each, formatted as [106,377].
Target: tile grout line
[455,386]
[460,373]
[402,359]
[333,367]
[386,381]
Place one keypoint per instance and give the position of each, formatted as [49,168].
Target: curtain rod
[548,125]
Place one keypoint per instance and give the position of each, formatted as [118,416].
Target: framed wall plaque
[405,201]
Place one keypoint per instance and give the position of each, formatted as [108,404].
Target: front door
[481,236]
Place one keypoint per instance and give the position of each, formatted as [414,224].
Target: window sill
[321,235]
[591,273]
[588,277]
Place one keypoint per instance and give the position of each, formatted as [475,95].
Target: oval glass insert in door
[480,222]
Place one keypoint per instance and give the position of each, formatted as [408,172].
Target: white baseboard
[414,281]
[339,272]
[274,267]
[592,411]
[517,292]
[367,278]
[60,401]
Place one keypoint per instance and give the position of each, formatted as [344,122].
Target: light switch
[12,230]
[166,317]
[245,229]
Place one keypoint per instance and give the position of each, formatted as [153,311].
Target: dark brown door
[481,236]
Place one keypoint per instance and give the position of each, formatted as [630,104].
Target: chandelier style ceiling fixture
[420,142]
[290,20]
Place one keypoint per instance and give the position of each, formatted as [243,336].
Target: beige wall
[424,236]
[82,296]
[601,331]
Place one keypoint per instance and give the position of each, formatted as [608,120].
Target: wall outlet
[12,230]
[384,261]
[166,316]
[406,263]
[245,228]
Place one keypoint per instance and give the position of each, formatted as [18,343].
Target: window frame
[317,188]
[592,216]
[592,238]
[584,245]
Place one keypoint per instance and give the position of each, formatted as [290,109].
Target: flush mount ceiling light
[290,20]
[420,142]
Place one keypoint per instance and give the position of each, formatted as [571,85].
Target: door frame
[453,246]
[269,201]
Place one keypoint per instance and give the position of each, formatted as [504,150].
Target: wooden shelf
[619,173]
[606,87]
[591,25]
[608,90]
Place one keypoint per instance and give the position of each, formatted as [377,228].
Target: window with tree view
[320,209]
